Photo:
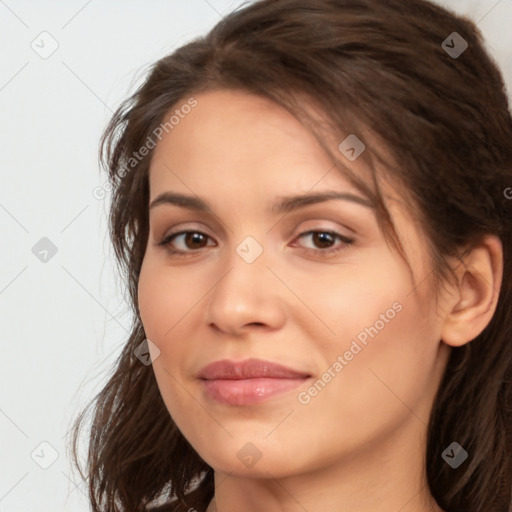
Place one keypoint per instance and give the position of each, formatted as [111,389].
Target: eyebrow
[284,204]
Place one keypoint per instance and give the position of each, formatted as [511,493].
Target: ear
[474,296]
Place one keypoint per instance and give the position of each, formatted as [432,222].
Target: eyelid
[320,224]
[186,226]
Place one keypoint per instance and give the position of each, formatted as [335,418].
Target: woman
[310,206]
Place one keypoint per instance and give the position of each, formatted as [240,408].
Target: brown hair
[376,69]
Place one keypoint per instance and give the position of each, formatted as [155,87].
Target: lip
[248,382]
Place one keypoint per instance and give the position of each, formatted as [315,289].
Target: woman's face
[250,281]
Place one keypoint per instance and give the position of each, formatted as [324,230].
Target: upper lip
[248,369]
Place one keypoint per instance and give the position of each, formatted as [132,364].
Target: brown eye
[194,240]
[323,239]
[324,242]
[190,241]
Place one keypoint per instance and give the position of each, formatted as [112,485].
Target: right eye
[192,240]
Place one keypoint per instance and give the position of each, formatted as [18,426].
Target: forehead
[239,138]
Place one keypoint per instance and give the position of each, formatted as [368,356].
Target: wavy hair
[373,67]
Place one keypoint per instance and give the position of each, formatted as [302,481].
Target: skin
[359,444]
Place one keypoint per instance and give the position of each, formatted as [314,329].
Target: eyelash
[346,242]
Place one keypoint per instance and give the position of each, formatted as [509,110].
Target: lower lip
[248,391]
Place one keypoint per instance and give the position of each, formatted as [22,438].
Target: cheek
[354,300]
[382,347]
[162,299]
[387,366]
[168,301]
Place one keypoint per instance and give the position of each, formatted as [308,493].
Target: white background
[63,322]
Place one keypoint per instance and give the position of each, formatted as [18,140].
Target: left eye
[327,237]
[194,240]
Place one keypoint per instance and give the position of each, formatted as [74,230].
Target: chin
[256,457]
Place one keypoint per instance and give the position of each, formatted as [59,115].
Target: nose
[247,296]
